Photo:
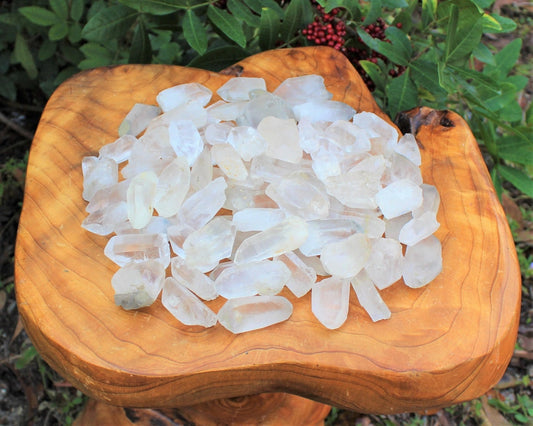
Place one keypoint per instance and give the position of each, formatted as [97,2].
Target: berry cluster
[326,29]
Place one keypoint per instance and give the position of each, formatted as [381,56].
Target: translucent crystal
[226,111]
[98,173]
[394,226]
[398,198]
[430,200]
[385,136]
[348,137]
[281,238]
[271,169]
[323,110]
[197,282]
[313,262]
[229,161]
[247,141]
[408,147]
[266,277]
[240,197]
[322,232]
[402,168]
[239,88]
[140,198]
[419,228]
[157,225]
[257,219]
[171,188]
[181,94]
[311,134]
[217,133]
[149,154]
[176,235]
[107,196]
[105,220]
[298,90]
[138,284]
[369,297]
[203,205]
[185,140]
[138,119]
[385,264]
[263,104]
[302,276]
[254,312]
[423,262]
[330,300]
[202,171]
[120,150]
[185,306]
[347,257]
[325,163]
[125,248]
[282,139]
[205,247]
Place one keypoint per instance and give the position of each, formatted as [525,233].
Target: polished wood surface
[447,342]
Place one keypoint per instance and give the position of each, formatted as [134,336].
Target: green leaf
[7,88]
[401,94]
[268,29]
[141,49]
[76,9]
[394,4]
[505,60]
[429,11]
[483,83]
[387,49]
[58,31]
[109,23]
[375,73]
[47,50]
[516,151]
[463,33]
[518,178]
[292,19]
[506,95]
[23,56]
[497,182]
[518,81]
[529,115]
[240,11]
[228,24]
[255,5]
[507,25]
[374,13]
[39,15]
[155,7]
[60,8]
[26,357]
[425,74]
[194,32]
[220,58]
[482,53]
[490,25]
[74,33]
[400,42]
[483,4]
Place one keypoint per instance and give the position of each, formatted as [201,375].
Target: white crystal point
[182,94]
[430,200]
[126,248]
[322,232]
[138,284]
[107,196]
[185,140]
[148,155]
[347,257]
[385,264]
[398,198]
[347,136]
[98,173]
[282,138]
[408,147]
[325,163]
[394,226]
[203,205]
[229,161]
[264,104]
[298,90]
[171,188]
[106,220]
[257,219]
[254,312]
[402,168]
[302,276]
[313,262]
[239,88]
[369,297]
[266,277]
[177,235]
[140,198]
[226,111]
[199,283]
[185,306]
[138,119]
[418,229]
[202,170]
[300,194]
[217,133]
[270,169]
[423,262]
[285,236]
[330,300]
[323,110]
[120,150]
[207,246]
[386,136]
[247,141]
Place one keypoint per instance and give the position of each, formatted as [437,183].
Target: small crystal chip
[98,173]
[120,150]
[185,140]
[199,283]
[330,300]
[282,140]
[171,188]
[298,90]
[182,94]
[253,312]
[140,197]
[125,248]
[419,228]
[398,198]
[347,257]
[423,262]
[239,88]
[302,276]
[369,297]
[385,264]
[138,119]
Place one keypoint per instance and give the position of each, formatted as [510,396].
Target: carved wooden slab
[445,343]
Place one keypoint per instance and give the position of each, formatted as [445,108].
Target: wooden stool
[445,343]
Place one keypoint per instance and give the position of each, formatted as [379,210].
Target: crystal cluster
[255,192]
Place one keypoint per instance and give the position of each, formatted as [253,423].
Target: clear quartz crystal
[171,188]
[107,196]
[322,232]
[369,297]
[138,284]
[348,137]
[419,228]
[229,161]
[253,313]
[105,220]
[185,306]
[203,205]
[398,198]
[239,88]
[127,248]
[302,276]
[138,119]
[347,257]
[201,171]
[298,90]
[98,173]
[281,138]
[394,226]
[247,141]
[323,110]
[182,94]
[257,219]
[408,147]
[199,283]
[385,136]
[385,263]
[402,168]
[263,104]
[120,150]
[185,140]
[423,262]
[217,133]
[430,200]
[140,198]
[271,169]
[330,300]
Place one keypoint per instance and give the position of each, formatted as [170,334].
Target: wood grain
[445,343]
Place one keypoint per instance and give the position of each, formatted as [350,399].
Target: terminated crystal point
[347,136]
[185,140]
[148,155]
[157,225]
[105,220]
[120,150]
[302,89]
[239,88]
[226,111]
[394,226]
[408,147]
[323,110]
[254,312]
[107,196]
[207,246]
[423,262]
[266,277]
[138,119]
[322,232]
[171,188]
[270,169]
[185,306]
[229,161]
[216,133]
[419,228]
[281,238]
[192,111]
[325,163]
[126,248]
[330,300]
[138,284]
[385,264]
[263,104]
[177,235]
[201,171]
[257,219]
[311,134]
[398,198]
[98,173]
[140,198]
[247,141]
[347,257]
[402,168]
[386,136]
[313,262]
[369,297]
[302,276]
[199,283]
[430,200]
[182,94]
[203,205]
[282,139]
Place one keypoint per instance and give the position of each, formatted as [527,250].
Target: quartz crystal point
[418,229]
[330,300]
[182,94]
[402,168]
[266,277]
[177,235]
[369,297]
[257,219]
[127,248]
[347,136]
[408,147]
[157,225]
[193,112]
[394,226]
[322,232]
[398,198]
[120,150]
[285,236]
[385,264]
[193,279]
[325,163]
[282,141]
[229,161]
[138,119]
[386,136]
[105,220]
[298,90]
[205,247]
[239,88]
[347,257]
[140,198]
[98,173]
[185,140]
[138,284]
[171,188]
[247,141]
[313,262]
[185,306]
[216,133]
[263,104]
[302,276]
[201,171]
[311,134]
[149,155]
[323,110]
[108,196]
[430,200]
[253,312]
[271,169]
[423,262]
[226,111]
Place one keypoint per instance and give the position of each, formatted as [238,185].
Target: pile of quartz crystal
[255,192]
